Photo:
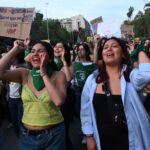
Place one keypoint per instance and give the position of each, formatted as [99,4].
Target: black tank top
[112,137]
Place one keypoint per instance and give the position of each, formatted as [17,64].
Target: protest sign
[16,22]
[97,20]
[109,28]
[94,24]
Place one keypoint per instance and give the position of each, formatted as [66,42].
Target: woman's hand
[18,44]
[96,48]
[91,144]
[44,60]
[27,42]
[63,57]
[96,38]
[130,47]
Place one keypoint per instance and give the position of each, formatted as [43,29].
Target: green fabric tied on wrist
[27,52]
[59,63]
[135,52]
[37,79]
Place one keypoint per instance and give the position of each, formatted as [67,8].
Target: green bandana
[37,79]
[59,63]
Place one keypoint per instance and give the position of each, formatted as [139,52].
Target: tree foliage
[130,12]
[55,30]
[141,21]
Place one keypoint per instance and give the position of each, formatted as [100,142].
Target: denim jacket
[138,121]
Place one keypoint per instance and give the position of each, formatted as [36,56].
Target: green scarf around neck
[37,79]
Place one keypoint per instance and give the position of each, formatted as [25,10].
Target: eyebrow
[38,49]
[111,43]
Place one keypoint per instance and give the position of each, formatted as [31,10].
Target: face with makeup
[112,52]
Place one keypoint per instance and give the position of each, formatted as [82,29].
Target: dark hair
[70,45]
[100,47]
[148,49]
[67,52]
[87,49]
[20,58]
[50,52]
[102,76]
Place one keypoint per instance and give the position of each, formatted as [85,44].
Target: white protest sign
[109,27]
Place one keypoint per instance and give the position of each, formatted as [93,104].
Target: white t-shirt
[14,88]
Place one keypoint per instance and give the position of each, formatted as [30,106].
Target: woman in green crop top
[43,92]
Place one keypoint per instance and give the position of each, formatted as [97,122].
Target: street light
[47,21]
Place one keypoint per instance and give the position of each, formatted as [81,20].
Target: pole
[47,22]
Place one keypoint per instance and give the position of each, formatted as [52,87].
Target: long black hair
[67,52]
[102,76]
[148,49]
[100,46]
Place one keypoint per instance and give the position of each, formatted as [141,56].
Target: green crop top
[39,111]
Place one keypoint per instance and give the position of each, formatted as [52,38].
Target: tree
[139,15]
[141,21]
[56,31]
[147,18]
[130,12]
[36,28]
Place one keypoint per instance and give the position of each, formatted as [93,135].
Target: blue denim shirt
[138,121]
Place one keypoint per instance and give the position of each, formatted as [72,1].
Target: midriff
[37,128]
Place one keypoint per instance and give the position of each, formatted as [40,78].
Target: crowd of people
[103,87]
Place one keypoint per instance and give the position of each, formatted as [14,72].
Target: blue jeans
[52,139]
[16,111]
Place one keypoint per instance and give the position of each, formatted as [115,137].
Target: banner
[16,22]
[97,20]
[94,28]
[94,24]
[109,28]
